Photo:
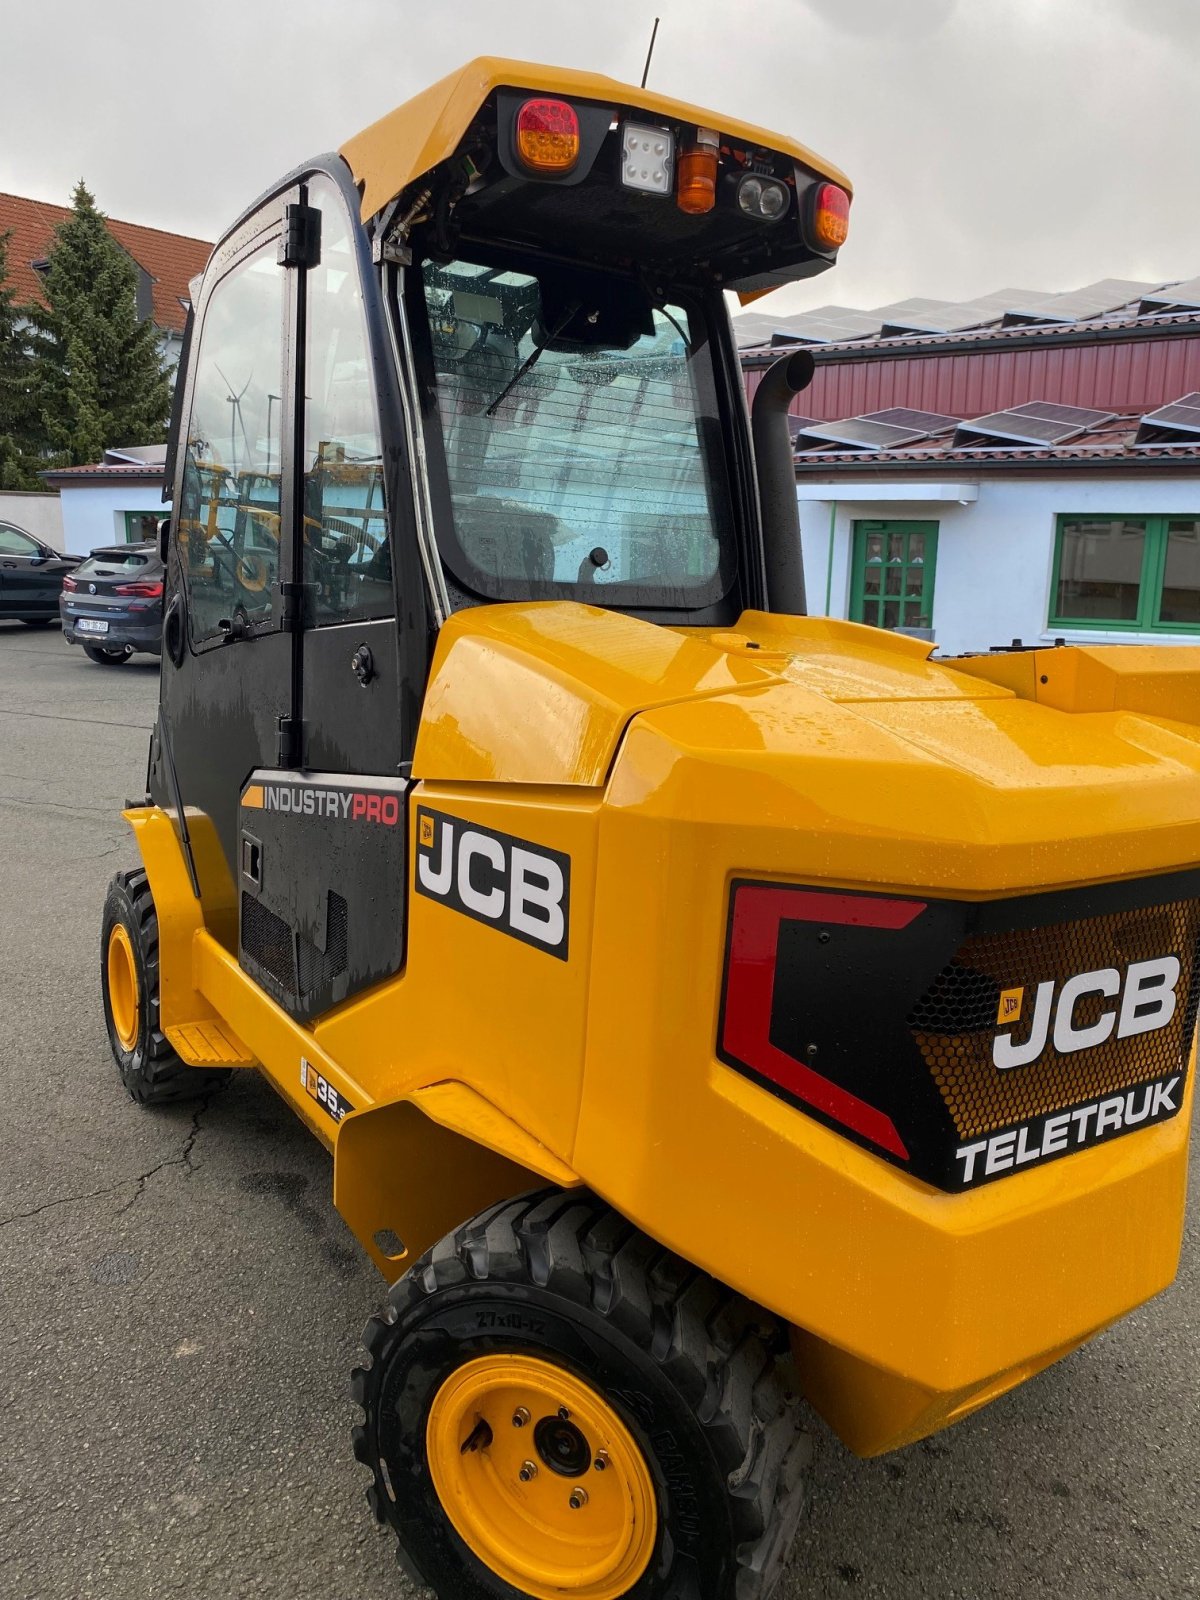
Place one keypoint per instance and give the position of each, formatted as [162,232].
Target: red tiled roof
[170,259]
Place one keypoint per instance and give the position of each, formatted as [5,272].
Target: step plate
[208,1044]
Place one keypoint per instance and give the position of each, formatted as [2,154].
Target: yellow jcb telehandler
[709,1008]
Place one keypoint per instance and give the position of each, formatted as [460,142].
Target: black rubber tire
[106,658]
[701,1378]
[151,1071]
[38,622]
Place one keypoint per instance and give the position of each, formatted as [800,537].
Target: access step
[208,1044]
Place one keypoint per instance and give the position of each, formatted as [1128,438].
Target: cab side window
[15,543]
[347,556]
[229,516]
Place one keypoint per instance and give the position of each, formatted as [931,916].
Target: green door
[891,584]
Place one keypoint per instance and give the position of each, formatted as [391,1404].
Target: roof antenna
[649,53]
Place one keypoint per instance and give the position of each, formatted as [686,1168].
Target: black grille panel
[267,940]
[319,967]
[956,1021]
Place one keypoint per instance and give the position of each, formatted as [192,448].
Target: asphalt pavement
[180,1304]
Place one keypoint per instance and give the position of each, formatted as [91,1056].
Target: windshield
[581,448]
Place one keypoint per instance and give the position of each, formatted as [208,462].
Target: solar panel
[1184,295]
[936,316]
[1094,300]
[1181,416]
[1038,422]
[859,433]
[1072,416]
[928,422]
[799,424]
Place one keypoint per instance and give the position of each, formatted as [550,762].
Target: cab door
[323,845]
[226,694]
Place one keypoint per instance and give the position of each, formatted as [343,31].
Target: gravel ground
[181,1303]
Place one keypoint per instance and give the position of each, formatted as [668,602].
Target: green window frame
[1158,587]
[137,523]
[892,573]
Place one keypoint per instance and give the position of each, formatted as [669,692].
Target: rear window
[111,564]
[588,471]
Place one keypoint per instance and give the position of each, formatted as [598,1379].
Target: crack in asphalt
[183,1159]
[57,805]
[91,722]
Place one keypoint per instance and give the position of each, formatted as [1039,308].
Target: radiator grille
[956,1021]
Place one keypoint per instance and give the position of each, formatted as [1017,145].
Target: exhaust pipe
[777,480]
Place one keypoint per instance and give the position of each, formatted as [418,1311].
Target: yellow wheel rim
[123,995]
[541,1478]
[252,572]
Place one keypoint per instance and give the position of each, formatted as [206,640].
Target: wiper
[532,358]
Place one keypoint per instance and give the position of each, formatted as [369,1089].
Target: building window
[1139,573]
[891,582]
[142,525]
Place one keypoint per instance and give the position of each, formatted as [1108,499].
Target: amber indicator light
[548,135]
[831,217]
[696,181]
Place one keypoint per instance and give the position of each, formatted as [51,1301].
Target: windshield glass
[581,447]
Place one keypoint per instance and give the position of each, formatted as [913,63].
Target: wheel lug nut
[528,1471]
[564,1414]
[578,1499]
[601,1461]
[520,1417]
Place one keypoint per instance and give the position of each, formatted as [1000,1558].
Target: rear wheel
[558,1407]
[149,1068]
[107,658]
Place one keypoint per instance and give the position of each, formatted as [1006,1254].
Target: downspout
[833,511]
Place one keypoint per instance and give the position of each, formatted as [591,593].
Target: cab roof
[409,141]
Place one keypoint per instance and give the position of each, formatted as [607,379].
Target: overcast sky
[1037,144]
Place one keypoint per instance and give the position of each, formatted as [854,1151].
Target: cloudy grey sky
[1037,144]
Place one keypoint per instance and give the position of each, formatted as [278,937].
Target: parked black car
[31,576]
[112,603]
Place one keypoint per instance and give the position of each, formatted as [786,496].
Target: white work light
[647,155]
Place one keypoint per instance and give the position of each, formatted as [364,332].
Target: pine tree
[19,423]
[99,378]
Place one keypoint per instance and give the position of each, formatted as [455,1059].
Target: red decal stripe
[757,913]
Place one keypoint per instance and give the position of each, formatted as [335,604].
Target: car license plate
[87,625]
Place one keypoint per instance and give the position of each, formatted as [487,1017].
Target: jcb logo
[521,888]
[1147,1002]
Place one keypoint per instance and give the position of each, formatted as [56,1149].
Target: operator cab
[562,278]
[479,356]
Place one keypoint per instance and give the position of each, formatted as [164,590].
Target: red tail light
[147,591]
[548,135]
[69,584]
[830,217]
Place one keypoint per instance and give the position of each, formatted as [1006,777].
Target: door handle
[7,563]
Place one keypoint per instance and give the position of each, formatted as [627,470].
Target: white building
[982,557]
[1018,467]
[117,501]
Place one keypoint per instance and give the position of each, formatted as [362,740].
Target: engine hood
[543,692]
[975,775]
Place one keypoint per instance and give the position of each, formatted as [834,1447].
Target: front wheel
[107,658]
[557,1407]
[149,1068]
